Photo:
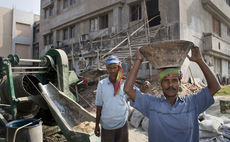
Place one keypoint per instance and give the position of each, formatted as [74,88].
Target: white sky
[25,5]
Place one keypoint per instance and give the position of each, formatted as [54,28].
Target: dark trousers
[116,135]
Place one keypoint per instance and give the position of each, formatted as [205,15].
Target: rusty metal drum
[24,85]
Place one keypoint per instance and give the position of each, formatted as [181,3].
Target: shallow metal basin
[164,54]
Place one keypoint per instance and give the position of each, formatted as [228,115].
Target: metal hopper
[166,54]
[67,114]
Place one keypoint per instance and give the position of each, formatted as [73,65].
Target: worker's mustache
[171,88]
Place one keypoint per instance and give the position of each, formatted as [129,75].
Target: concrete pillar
[56,7]
[55,38]
[117,18]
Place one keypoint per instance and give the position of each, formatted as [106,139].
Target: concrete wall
[170,16]
[23,22]
[23,50]
[36,18]
[195,20]
[36,32]
[16,32]
[22,30]
[5,31]
[219,9]
[217,44]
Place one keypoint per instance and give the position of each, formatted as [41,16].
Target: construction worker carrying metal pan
[173,118]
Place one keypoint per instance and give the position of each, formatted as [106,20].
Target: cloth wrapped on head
[114,60]
[169,71]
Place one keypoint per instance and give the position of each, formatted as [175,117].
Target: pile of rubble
[187,88]
[86,96]
[54,134]
[87,93]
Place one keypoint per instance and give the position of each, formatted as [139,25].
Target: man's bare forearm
[98,115]
[128,88]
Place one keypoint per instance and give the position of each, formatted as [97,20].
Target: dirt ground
[137,135]
[215,108]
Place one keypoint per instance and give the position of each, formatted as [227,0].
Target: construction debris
[145,124]
[93,73]
[52,134]
[87,127]
[214,128]
[136,119]
[187,88]
[87,95]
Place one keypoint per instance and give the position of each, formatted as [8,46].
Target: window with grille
[228,31]
[72,2]
[93,24]
[65,4]
[46,13]
[72,31]
[135,12]
[51,10]
[103,21]
[65,34]
[216,26]
[228,2]
[48,39]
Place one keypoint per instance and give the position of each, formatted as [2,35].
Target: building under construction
[89,31]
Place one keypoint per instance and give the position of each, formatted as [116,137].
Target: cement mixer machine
[23,94]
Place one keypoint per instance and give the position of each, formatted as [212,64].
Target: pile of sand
[87,127]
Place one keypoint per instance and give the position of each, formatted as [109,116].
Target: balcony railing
[216,45]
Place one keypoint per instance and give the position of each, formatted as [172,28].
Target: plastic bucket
[31,133]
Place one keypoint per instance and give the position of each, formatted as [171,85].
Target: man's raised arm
[212,82]
[128,88]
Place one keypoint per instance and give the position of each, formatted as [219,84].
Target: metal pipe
[29,67]
[3,120]
[30,72]
[30,60]
[12,96]
[4,105]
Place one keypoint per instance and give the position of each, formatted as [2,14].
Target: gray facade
[89,28]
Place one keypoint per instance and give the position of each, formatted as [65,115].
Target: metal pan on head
[165,54]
